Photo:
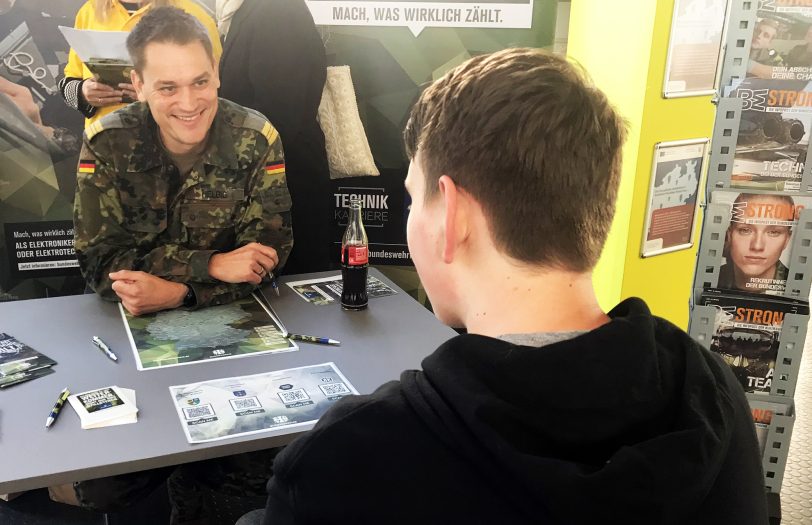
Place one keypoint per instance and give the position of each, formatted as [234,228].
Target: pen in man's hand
[313,339]
[57,406]
[270,277]
[104,348]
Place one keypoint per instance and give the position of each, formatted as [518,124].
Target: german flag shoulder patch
[272,168]
[87,166]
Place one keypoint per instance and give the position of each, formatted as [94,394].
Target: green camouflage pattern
[129,215]
[767,57]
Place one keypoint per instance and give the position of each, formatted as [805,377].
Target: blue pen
[313,339]
[57,407]
[274,284]
[104,348]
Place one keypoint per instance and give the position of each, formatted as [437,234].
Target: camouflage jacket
[127,216]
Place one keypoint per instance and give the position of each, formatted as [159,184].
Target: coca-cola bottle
[354,261]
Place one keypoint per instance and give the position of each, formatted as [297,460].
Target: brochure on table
[105,407]
[236,406]
[326,290]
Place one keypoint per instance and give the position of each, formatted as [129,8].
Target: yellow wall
[623,45]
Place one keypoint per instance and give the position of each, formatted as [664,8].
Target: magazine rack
[736,49]
[711,246]
[742,16]
[723,148]
[779,433]
[790,348]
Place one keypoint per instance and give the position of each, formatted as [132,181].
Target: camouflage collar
[221,148]
[149,153]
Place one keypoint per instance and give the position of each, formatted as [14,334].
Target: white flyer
[90,44]
[237,406]
[326,290]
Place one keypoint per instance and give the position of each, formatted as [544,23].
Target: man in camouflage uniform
[763,57]
[181,201]
[181,198]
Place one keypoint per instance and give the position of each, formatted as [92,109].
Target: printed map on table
[179,337]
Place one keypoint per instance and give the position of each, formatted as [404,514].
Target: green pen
[57,406]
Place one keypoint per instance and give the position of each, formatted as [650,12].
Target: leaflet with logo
[326,290]
[237,406]
[19,362]
[105,407]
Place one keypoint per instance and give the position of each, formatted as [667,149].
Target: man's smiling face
[179,82]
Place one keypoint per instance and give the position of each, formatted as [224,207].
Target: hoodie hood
[633,417]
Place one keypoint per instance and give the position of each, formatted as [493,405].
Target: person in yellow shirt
[79,88]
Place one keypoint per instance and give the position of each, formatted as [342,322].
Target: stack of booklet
[105,407]
[19,362]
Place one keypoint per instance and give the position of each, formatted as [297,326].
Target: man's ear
[138,85]
[455,228]
[216,78]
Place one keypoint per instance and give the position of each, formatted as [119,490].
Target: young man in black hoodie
[549,410]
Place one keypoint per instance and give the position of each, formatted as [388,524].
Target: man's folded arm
[103,245]
[265,219]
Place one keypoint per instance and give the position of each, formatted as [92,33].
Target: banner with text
[384,213]
[39,147]
[419,15]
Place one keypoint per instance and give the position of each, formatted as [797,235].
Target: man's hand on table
[143,293]
[247,264]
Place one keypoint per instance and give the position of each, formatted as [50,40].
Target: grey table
[395,333]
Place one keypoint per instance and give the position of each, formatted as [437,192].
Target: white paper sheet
[90,44]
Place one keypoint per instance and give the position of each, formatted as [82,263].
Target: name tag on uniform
[231,194]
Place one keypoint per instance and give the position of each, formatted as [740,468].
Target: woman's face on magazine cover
[755,248]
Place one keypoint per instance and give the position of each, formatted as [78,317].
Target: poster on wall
[418,15]
[40,249]
[694,49]
[672,197]
[39,146]
[384,214]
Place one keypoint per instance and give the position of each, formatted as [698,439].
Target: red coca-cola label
[356,255]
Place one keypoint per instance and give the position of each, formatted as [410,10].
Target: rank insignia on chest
[272,168]
[87,166]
